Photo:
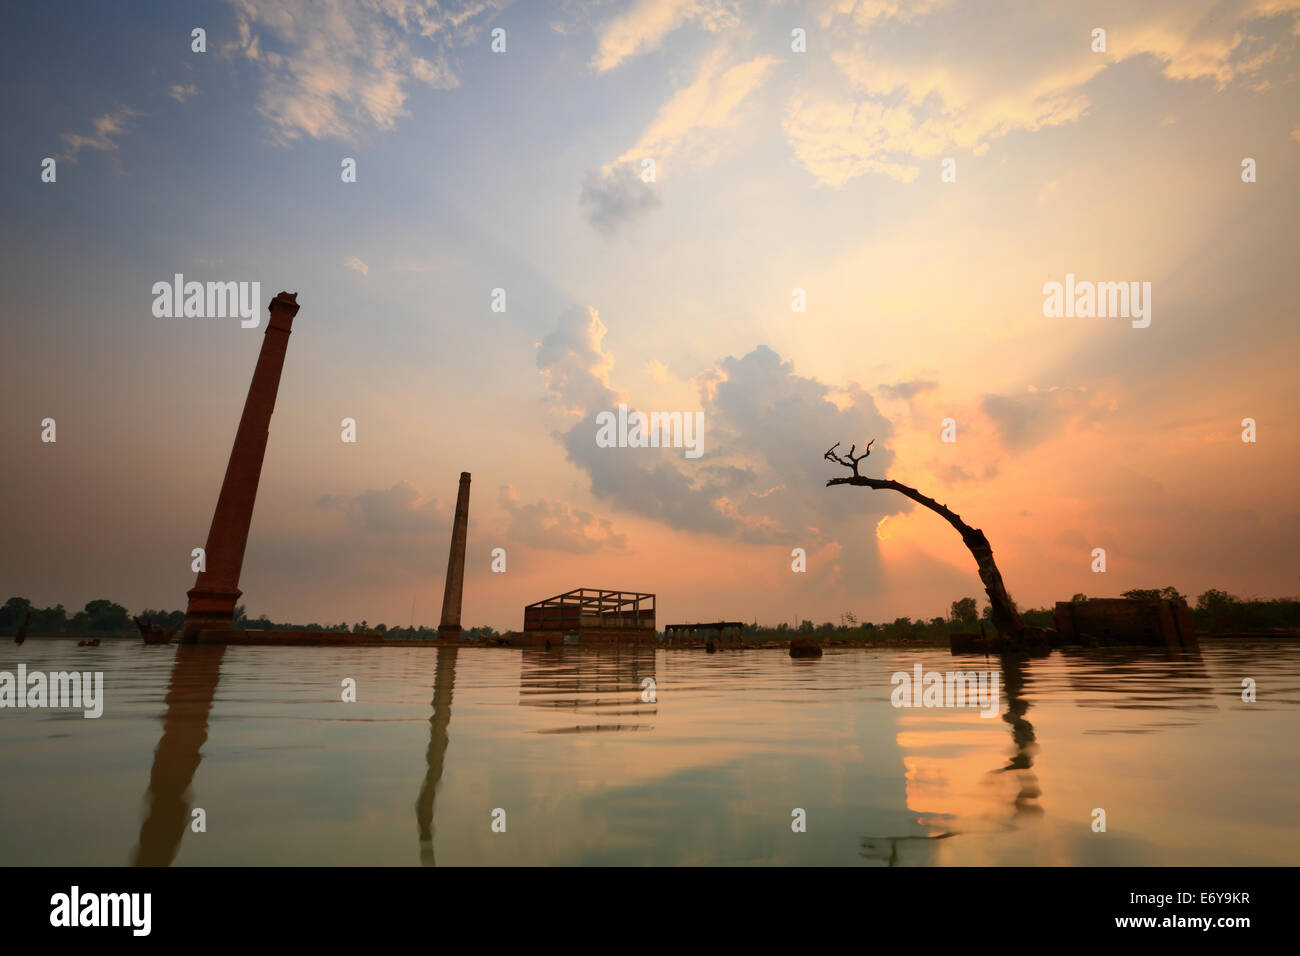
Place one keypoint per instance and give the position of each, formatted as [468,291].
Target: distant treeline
[99,617]
[103,617]
[1215,612]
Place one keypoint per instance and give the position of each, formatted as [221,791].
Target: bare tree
[1003,613]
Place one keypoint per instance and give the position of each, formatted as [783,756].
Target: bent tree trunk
[1006,619]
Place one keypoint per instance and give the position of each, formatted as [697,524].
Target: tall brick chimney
[216,592]
[449,629]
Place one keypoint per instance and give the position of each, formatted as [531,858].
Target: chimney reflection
[195,674]
[444,684]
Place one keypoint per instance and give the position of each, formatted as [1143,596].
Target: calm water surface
[588,772]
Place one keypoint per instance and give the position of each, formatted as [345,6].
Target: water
[587,772]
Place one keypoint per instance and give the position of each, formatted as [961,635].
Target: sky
[563,207]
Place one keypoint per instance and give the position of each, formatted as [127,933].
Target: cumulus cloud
[181,93]
[765,426]
[548,525]
[780,423]
[107,129]
[330,68]
[649,482]
[402,509]
[575,365]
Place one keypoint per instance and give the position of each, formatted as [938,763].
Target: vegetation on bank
[105,618]
[1215,612]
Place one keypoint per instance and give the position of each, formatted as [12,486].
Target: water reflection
[929,776]
[1152,789]
[602,681]
[1124,679]
[444,684]
[195,674]
[885,849]
[710,779]
[1014,680]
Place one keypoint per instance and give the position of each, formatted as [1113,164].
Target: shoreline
[373,639]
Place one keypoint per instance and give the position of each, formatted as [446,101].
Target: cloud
[107,129]
[181,93]
[866,12]
[1194,40]
[615,197]
[779,424]
[907,390]
[903,121]
[906,94]
[765,431]
[616,194]
[555,526]
[644,25]
[648,482]
[575,365]
[709,102]
[354,262]
[1023,421]
[331,68]
[402,509]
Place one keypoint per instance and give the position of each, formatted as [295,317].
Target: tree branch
[887,484]
[848,461]
[1005,616]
